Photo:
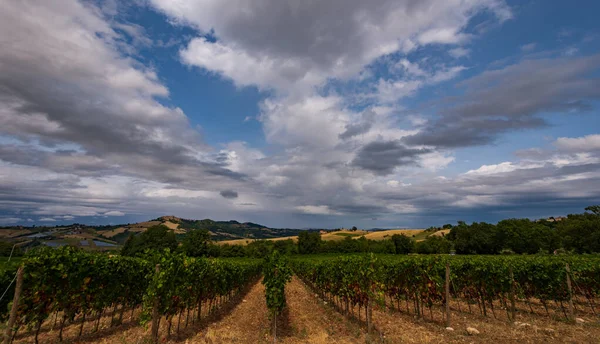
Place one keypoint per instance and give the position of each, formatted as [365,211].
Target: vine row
[76,286]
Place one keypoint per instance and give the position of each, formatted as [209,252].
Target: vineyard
[67,287]
[487,284]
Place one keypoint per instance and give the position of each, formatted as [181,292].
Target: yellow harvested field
[244,242]
[112,233]
[171,225]
[440,232]
[339,235]
[9,233]
[144,225]
[381,235]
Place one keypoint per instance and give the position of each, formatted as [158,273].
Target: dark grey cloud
[229,194]
[354,129]
[357,208]
[59,89]
[513,98]
[312,41]
[382,157]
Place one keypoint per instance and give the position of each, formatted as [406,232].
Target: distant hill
[98,236]
[233,232]
[219,230]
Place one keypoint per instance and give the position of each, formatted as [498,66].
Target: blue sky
[298,114]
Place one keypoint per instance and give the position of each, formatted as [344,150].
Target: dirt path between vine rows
[307,320]
[247,323]
[304,321]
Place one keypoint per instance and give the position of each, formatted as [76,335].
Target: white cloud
[459,52]
[528,47]
[114,213]
[578,144]
[47,219]
[290,45]
[316,210]
[503,167]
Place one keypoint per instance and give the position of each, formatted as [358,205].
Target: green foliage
[183,282]
[483,278]
[403,244]
[309,242]
[154,238]
[580,233]
[276,274]
[7,247]
[348,277]
[7,274]
[595,209]
[73,282]
[433,245]
[196,243]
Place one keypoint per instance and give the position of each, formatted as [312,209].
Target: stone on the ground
[579,320]
[524,325]
[449,329]
[472,331]
[549,330]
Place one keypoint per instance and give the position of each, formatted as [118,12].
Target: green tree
[309,242]
[196,243]
[433,245]
[595,209]
[354,229]
[154,238]
[403,244]
[580,232]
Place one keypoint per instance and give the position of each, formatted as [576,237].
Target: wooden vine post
[155,313]
[571,310]
[15,306]
[512,294]
[369,305]
[447,295]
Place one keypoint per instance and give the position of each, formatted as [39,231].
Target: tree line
[576,233]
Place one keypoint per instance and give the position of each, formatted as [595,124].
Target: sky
[298,114]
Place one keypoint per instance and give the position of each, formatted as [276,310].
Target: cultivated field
[327,301]
[339,235]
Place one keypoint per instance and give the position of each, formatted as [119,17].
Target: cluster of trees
[579,233]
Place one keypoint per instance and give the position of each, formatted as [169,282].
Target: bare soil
[308,319]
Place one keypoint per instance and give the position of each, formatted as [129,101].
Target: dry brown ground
[309,319]
[398,327]
[310,322]
[171,225]
[392,326]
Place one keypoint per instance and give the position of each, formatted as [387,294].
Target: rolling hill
[418,234]
[219,230]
